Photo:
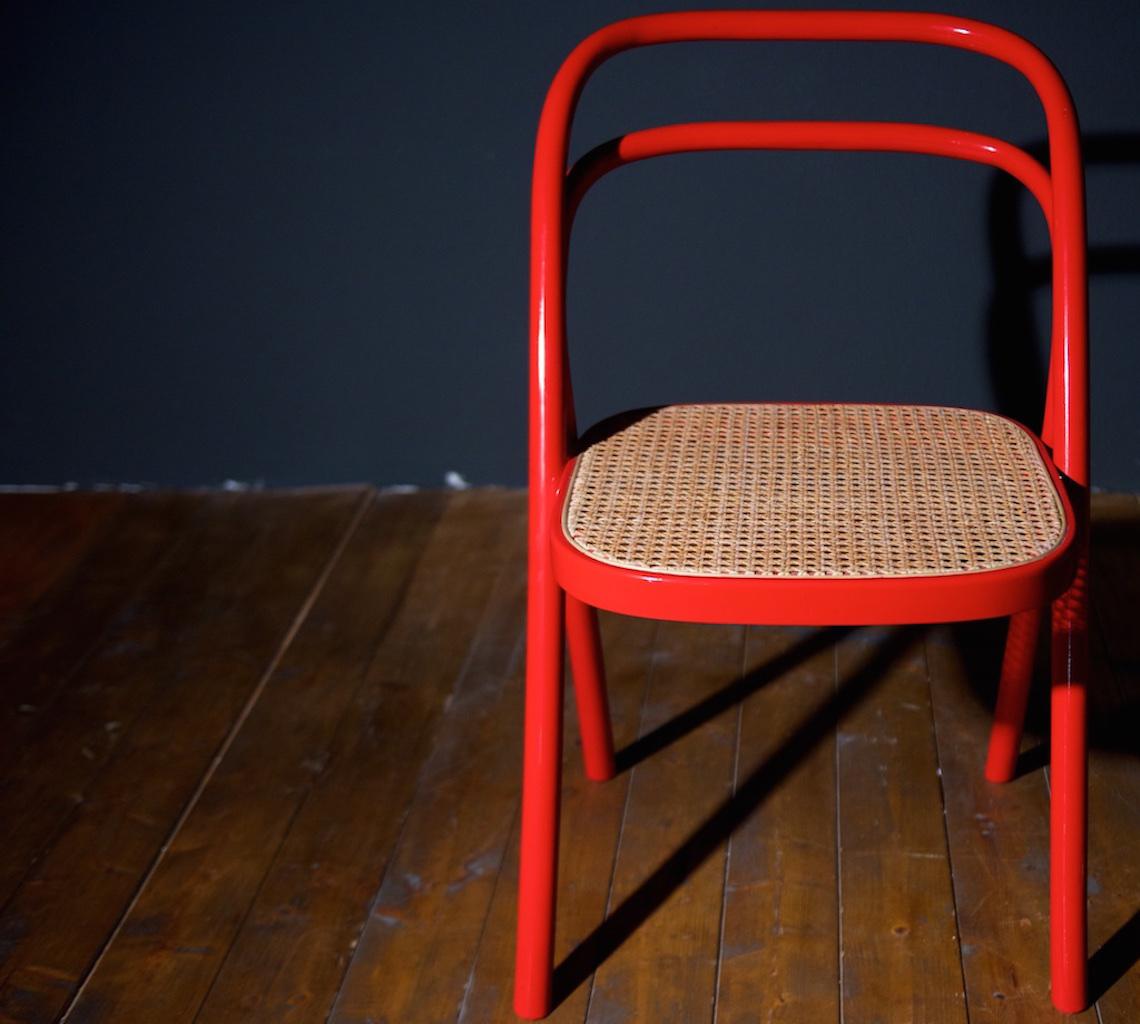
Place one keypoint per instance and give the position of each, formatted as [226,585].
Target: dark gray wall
[287,241]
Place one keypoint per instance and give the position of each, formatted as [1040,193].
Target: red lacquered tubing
[850,136]
[1068,825]
[1013,695]
[586,667]
[542,778]
[1068,363]
[808,601]
[1066,429]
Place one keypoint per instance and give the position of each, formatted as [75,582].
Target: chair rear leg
[1068,827]
[588,671]
[542,777]
[1013,695]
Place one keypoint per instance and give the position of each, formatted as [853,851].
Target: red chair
[806,514]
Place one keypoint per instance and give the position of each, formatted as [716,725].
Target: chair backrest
[557,190]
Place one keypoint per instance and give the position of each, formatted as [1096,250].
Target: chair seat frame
[822,601]
[565,585]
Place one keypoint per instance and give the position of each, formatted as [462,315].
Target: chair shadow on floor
[624,919]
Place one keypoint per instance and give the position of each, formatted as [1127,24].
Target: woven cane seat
[828,491]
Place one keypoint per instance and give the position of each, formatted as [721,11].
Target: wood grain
[51,639]
[173,680]
[899,945]
[56,754]
[778,957]
[999,836]
[663,927]
[298,938]
[1114,776]
[415,952]
[42,536]
[196,899]
[249,778]
[592,815]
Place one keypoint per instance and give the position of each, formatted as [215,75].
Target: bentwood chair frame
[566,584]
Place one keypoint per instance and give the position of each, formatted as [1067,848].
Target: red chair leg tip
[999,773]
[530,1009]
[601,770]
[1073,1003]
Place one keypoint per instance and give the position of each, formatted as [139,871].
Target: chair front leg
[542,776]
[1068,910]
[588,672]
[1013,695]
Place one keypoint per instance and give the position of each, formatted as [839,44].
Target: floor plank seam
[84,658]
[1102,633]
[377,648]
[838,839]
[470,986]
[946,827]
[728,841]
[372,904]
[382,631]
[315,840]
[517,655]
[231,735]
[45,710]
[244,918]
[456,685]
[112,621]
[652,671]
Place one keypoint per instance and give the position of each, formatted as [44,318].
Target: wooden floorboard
[291,948]
[261,760]
[661,949]
[585,867]
[899,953]
[291,955]
[415,952]
[781,902]
[1114,781]
[38,656]
[75,738]
[143,720]
[999,835]
[42,536]
[196,900]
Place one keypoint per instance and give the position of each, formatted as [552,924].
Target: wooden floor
[261,763]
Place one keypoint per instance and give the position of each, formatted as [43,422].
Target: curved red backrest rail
[851,136]
[1066,427]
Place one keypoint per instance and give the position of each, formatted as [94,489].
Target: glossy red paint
[850,136]
[585,645]
[556,568]
[1013,695]
[1068,782]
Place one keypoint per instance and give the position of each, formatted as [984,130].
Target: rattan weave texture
[829,491]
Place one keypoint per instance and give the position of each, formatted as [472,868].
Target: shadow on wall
[1017,361]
